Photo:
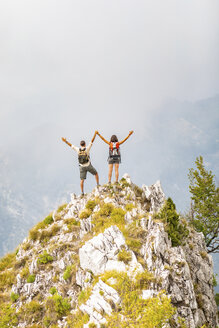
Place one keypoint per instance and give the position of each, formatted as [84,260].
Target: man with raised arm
[84,160]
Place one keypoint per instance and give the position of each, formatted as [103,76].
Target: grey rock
[154,195]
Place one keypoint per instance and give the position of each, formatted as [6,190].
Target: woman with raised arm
[114,154]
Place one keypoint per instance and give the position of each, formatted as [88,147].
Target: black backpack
[83,157]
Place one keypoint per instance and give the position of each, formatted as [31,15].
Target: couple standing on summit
[84,158]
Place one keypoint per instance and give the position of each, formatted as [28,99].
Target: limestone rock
[154,195]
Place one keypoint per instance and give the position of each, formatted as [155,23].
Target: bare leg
[97,179]
[117,171]
[82,186]
[110,172]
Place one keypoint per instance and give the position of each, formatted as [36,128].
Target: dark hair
[114,138]
[82,143]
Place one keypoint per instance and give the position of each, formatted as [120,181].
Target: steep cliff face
[106,260]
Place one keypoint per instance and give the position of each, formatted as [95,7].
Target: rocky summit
[120,256]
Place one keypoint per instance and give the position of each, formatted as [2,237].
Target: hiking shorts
[85,169]
[114,160]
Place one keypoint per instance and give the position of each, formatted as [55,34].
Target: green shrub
[138,191]
[14,297]
[77,320]
[48,220]
[44,258]
[7,279]
[106,209]
[72,224]
[85,214]
[177,232]
[144,279]
[90,205]
[57,304]
[124,183]
[8,316]
[107,216]
[61,208]
[124,256]
[151,313]
[52,290]
[129,207]
[84,295]
[67,273]
[31,312]
[7,261]
[134,244]
[45,235]
[25,272]
[118,216]
[31,278]
[92,325]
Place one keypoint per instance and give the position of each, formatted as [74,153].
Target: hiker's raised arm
[94,136]
[103,138]
[130,133]
[68,143]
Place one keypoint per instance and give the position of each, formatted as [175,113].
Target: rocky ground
[107,260]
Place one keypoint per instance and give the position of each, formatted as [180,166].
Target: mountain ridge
[69,271]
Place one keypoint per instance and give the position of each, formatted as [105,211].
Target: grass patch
[14,297]
[31,312]
[84,295]
[68,272]
[7,261]
[72,224]
[85,214]
[154,312]
[25,272]
[8,316]
[77,320]
[48,220]
[31,278]
[34,233]
[7,279]
[129,207]
[124,256]
[124,183]
[91,205]
[44,258]
[45,235]
[107,216]
[61,208]
[57,307]
[53,290]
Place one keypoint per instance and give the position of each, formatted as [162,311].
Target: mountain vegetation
[120,256]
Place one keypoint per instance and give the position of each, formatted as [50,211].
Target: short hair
[114,138]
[82,143]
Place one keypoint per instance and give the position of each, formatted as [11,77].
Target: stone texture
[185,272]
[154,195]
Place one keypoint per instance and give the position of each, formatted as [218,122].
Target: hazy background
[70,67]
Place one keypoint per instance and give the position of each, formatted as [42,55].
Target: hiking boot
[82,194]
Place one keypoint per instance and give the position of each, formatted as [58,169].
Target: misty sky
[103,65]
[71,67]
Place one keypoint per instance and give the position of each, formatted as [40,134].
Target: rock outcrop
[66,273]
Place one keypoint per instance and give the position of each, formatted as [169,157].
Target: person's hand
[97,133]
[64,139]
[130,132]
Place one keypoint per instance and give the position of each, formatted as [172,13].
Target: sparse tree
[204,204]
